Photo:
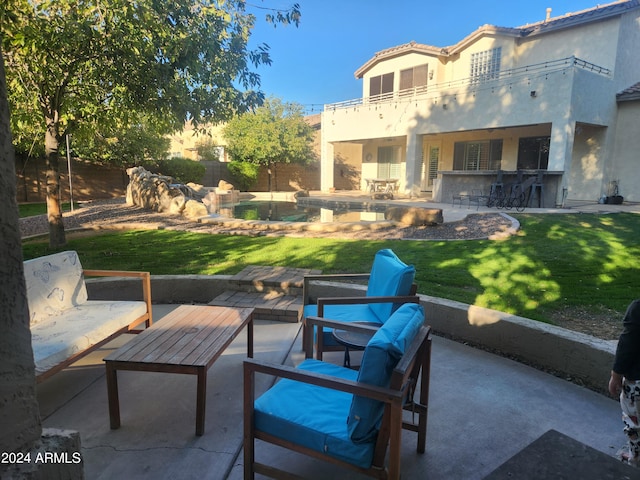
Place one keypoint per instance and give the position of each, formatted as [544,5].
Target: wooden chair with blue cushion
[390,283]
[346,417]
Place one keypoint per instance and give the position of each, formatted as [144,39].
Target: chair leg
[248,434]
[424,398]
[395,442]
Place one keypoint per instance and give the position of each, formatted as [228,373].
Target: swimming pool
[303,212]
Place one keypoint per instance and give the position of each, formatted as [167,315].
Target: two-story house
[558,97]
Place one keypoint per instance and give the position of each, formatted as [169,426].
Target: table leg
[250,338]
[347,358]
[201,400]
[112,395]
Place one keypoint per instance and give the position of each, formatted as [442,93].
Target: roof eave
[411,47]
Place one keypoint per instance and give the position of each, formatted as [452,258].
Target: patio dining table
[385,186]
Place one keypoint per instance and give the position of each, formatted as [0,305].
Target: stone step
[270,305]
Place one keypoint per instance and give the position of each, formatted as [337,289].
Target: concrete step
[270,305]
[257,278]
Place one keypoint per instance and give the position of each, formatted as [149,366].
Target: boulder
[224,185]
[194,209]
[160,193]
[414,216]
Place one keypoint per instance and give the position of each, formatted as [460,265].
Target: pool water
[292,212]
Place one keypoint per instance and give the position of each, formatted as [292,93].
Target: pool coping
[280,225]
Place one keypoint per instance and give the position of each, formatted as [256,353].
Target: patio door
[430,165]
[389,162]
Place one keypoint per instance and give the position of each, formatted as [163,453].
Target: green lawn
[556,262]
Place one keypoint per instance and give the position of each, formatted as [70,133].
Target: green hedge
[182,169]
[245,174]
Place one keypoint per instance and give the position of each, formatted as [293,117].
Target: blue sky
[315,63]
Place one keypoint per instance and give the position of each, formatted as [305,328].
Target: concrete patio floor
[483,409]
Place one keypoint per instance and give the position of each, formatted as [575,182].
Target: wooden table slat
[202,340]
[219,340]
[190,332]
[149,337]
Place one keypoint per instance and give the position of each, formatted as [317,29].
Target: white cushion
[54,283]
[81,327]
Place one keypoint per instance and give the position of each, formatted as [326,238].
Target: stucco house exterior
[559,96]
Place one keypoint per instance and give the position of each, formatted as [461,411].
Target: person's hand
[615,384]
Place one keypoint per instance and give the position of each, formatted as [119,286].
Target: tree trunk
[19,416]
[54,212]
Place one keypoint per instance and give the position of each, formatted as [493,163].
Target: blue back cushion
[390,276]
[381,356]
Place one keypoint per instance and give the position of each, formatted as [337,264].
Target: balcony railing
[472,83]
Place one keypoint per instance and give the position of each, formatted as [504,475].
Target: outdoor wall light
[533,94]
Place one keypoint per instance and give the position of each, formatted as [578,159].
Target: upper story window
[485,65]
[477,155]
[381,86]
[412,79]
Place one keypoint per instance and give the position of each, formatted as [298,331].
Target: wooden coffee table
[187,340]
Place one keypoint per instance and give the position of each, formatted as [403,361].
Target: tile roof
[628,94]
[599,12]
[593,14]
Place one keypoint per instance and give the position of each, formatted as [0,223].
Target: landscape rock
[194,209]
[224,185]
[414,216]
[160,193]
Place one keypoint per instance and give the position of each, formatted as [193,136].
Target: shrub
[181,169]
[244,174]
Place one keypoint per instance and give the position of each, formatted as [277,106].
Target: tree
[137,144]
[106,62]
[274,133]
[19,416]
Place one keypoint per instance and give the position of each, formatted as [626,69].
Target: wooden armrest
[381,394]
[337,276]
[144,276]
[114,273]
[363,300]
[351,326]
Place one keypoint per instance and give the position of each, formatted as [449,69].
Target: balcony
[474,84]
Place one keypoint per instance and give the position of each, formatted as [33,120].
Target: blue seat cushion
[380,357]
[389,276]
[313,416]
[344,313]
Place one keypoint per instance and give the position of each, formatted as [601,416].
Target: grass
[31,209]
[556,262]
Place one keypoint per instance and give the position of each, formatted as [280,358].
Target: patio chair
[346,417]
[390,283]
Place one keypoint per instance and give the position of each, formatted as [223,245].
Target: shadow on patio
[483,409]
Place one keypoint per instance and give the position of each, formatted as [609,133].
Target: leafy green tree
[106,62]
[274,133]
[181,169]
[141,143]
[208,149]
[244,174]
